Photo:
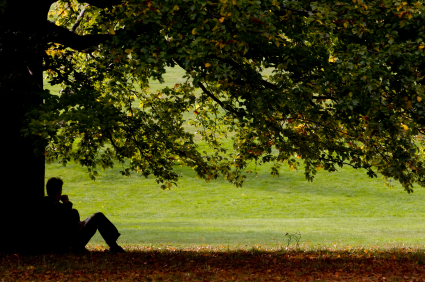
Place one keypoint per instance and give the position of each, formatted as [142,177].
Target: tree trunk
[24,33]
[21,78]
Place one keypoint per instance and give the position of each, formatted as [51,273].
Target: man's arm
[66,203]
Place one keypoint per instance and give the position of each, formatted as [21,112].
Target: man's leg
[107,229]
[75,215]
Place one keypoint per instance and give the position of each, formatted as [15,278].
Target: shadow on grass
[204,263]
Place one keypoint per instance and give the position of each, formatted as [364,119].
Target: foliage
[345,89]
[200,263]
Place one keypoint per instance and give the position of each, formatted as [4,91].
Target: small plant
[294,237]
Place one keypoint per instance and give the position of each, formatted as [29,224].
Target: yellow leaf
[354,1]
[419,98]
[180,36]
[222,45]
[207,65]
[277,43]
[346,24]
[409,16]
[111,30]
[128,51]
[194,31]
[221,19]
[234,2]
[229,14]
[421,46]
[364,77]
[176,7]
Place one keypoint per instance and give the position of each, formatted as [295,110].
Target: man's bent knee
[98,215]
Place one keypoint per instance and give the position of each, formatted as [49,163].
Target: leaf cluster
[331,83]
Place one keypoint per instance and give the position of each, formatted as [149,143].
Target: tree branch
[78,21]
[209,94]
[280,13]
[103,3]
[63,36]
[322,97]
[218,101]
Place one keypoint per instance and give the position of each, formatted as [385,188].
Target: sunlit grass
[345,207]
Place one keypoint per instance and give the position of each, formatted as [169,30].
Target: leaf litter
[222,263]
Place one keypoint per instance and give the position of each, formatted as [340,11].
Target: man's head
[54,187]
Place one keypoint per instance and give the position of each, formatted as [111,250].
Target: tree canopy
[331,83]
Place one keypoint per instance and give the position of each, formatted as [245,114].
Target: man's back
[58,224]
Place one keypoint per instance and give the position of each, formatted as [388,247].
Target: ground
[205,263]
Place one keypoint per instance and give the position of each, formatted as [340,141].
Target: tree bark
[24,31]
[23,184]
[21,83]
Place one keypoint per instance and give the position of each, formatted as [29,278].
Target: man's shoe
[116,249]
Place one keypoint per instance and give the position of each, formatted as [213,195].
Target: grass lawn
[343,208]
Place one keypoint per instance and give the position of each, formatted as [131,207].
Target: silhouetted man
[64,229]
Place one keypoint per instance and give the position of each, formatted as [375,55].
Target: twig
[78,21]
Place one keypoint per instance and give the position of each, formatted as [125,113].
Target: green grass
[345,207]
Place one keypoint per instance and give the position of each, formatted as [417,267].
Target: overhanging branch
[209,94]
[281,13]
[103,3]
[63,36]
[264,83]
